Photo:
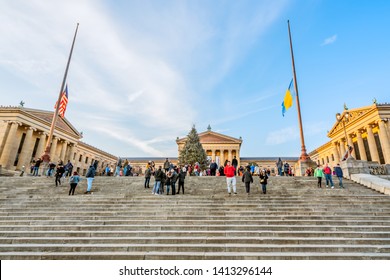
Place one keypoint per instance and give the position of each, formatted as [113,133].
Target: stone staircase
[123,220]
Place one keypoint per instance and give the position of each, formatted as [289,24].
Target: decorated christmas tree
[193,151]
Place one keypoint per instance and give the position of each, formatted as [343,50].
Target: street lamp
[339,118]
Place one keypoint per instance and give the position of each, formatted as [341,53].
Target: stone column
[63,150]
[336,152]
[385,142]
[213,155]
[230,155]
[238,157]
[372,144]
[71,152]
[41,144]
[27,149]
[10,148]
[53,149]
[342,148]
[362,149]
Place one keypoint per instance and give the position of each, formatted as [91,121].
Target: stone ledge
[372,182]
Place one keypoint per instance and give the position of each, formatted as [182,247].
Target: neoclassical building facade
[24,133]
[365,129]
[218,147]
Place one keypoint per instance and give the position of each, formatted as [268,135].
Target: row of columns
[12,143]
[339,147]
[222,155]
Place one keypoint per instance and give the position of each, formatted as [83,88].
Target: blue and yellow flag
[288,99]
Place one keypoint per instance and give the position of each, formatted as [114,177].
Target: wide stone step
[195,240]
[196,233]
[191,256]
[242,248]
[146,221]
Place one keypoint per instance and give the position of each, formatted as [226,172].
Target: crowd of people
[168,176]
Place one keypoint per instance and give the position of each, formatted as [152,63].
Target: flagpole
[304,155]
[46,155]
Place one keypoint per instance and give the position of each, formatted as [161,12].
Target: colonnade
[23,143]
[373,148]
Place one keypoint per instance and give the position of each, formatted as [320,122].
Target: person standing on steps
[181,177]
[247,179]
[230,178]
[173,181]
[73,180]
[339,174]
[90,177]
[166,165]
[157,181]
[318,173]
[328,176]
[235,164]
[148,174]
[263,180]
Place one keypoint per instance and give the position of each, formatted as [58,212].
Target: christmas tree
[193,151]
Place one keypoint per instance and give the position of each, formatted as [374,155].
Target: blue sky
[143,72]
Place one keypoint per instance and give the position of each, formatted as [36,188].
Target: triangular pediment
[353,115]
[211,137]
[47,116]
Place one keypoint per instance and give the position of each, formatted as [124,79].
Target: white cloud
[329,40]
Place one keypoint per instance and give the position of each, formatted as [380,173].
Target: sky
[144,72]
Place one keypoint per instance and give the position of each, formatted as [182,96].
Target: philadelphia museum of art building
[24,133]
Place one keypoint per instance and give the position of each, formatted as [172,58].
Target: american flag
[63,103]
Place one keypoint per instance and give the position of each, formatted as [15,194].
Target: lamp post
[340,118]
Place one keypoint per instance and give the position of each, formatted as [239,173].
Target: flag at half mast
[63,103]
[288,99]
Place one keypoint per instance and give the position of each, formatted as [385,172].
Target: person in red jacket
[230,178]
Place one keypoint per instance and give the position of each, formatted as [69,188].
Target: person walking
[73,180]
[319,173]
[247,179]
[230,178]
[90,177]
[181,177]
[59,172]
[328,176]
[263,180]
[339,174]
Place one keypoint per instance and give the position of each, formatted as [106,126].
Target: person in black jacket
[181,177]
[263,180]
[157,181]
[247,179]
[59,172]
[90,177]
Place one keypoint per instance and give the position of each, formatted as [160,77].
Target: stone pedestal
[353,166]
[302,165]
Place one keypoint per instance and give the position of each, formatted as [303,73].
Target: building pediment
[211,137]
[353,115]
[34,117]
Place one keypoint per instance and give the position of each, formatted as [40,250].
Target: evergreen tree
[193,151]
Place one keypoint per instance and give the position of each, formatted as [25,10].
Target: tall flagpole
[304,155]
[46,155]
